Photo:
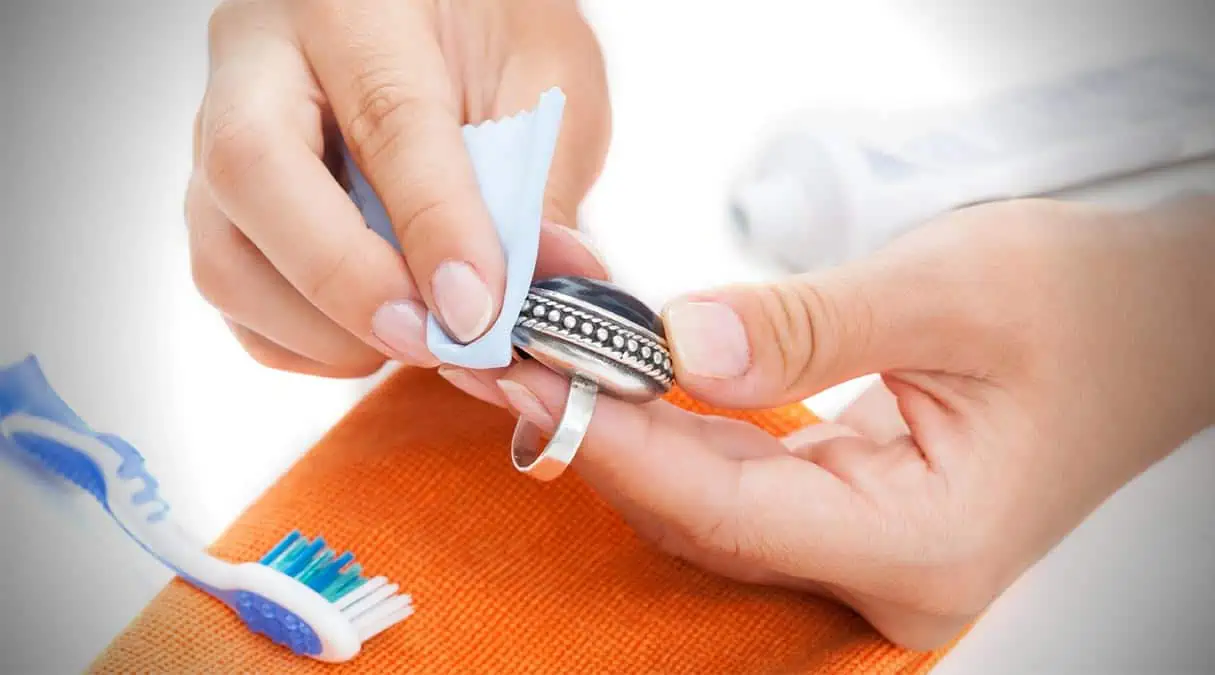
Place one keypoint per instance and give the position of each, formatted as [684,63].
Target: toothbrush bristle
[371,605]
[315,565]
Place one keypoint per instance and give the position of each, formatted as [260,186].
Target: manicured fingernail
[708,339]
[401,326]
[525,403]
[587,243]
[465,382]
[462,299]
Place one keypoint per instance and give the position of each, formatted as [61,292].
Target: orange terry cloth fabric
[508,575]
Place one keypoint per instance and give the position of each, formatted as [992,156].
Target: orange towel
[509,575]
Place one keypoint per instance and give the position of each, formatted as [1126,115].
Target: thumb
[763,345]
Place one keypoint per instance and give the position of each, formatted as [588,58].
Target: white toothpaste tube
[816,196]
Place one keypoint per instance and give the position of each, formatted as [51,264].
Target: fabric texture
[508,575]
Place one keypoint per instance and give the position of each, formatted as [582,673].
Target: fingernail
[401,326]
[708,339]
[462,299]
[525,403]
[587,243]
[465,382]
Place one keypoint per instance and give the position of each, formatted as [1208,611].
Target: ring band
[602,339]
[550,462]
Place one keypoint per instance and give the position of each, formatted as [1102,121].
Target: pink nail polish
[525,403]
[401,326]
[467,383]
[462,299]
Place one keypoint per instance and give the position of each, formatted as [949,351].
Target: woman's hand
[278,246]
[1036,356]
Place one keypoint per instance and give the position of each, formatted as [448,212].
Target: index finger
[260,145]
[726,485]
[391,90]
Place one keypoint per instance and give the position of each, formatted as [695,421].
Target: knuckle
[192,205]
[709,530]
[714,533]
[719,530]
[212,272]
[725,535]
[384,110]
[331,279]
[828,328]
[663,538]
[792,314]
[229,18]
[235,143]
[752,537]
[316,14]
[765,552]
[225,14]
[426,212]
[841,458]
[212,279]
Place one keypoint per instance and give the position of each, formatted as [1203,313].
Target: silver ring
[549,463]
[602,339]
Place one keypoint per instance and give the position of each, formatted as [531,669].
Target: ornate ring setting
[602,339]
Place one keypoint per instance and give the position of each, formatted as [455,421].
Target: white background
[96,131]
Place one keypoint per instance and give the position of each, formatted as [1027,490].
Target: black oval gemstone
[606,296]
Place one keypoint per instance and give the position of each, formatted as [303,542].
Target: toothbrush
[301,595]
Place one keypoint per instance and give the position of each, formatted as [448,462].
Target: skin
[1035,355]
[276,244]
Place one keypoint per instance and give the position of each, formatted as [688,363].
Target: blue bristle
[280,547]
[313,564]
[324,577]
[347,582]
[318,561]
[288,559]
[305,557]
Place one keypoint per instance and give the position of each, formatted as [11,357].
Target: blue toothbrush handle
[35,421]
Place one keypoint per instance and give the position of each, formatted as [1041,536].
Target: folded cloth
[510,157]
[509,575]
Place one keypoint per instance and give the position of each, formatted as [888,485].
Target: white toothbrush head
[305,597]
[301,595]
